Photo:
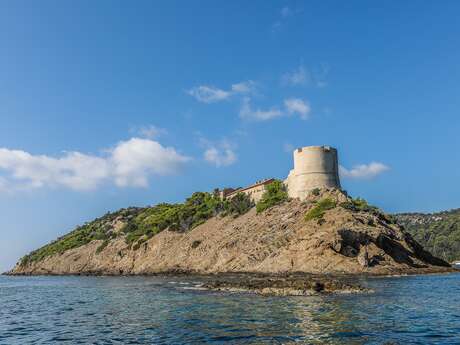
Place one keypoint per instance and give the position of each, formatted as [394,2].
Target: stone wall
[314,167]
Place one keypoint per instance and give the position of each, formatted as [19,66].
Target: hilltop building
[254,191]
[314,167]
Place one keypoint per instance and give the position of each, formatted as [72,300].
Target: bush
[317,212]
[275,194]
[316,191]
[358,204]
[238,205]
[176,217]
[102,246]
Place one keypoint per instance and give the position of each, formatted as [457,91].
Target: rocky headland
[329,233]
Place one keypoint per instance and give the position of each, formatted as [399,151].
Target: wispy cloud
[129,164]
[219,154]
[286,12]
[208,94]
[220,157]
[364,171]
[288,147]
[292,106]
[283,16]
[299,76]
[149,132]
[297,106]
[302,76]
[248,113]
[211,94]
[245,87]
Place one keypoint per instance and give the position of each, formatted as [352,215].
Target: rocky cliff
[328,233]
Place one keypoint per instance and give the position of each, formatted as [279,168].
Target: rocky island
[300,226]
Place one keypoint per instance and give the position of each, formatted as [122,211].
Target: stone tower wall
[314,167]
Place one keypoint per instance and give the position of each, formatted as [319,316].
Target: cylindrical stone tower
[314,167]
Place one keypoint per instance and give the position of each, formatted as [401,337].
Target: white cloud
[244,87]
[134,160]
[247,112]
[288,147]
[129,163]
[219,154]
[297,105]
[211,94]
[150,132]
[302,76]
[74,170]
[286,12]
[220,157]
[299,76]
[364,171]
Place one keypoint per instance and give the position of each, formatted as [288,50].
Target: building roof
[258,183]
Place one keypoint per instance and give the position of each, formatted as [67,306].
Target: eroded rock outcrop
[343,239]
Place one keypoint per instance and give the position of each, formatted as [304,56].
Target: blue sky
[107,104]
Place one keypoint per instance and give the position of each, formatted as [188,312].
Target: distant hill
[438,232]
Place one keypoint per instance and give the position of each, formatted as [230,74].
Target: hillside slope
[437,232]
[329,233]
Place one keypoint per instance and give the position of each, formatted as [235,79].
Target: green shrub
[358,204]
[275,194]
[238,205]
[316,191]
[317,212]
[176,217]
[361,205]
[102,246]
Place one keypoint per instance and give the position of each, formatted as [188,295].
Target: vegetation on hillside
[361,205]
[140,224]
[275,194]
[439,233]
[99,229]
[238,205]
[358,205]
[321,206]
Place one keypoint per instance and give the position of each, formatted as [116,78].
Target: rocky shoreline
[283,285]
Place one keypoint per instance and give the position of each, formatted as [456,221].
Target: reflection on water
[155,310]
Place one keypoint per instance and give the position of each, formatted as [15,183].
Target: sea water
[171,310]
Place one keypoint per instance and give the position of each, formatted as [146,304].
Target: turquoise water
[164,310]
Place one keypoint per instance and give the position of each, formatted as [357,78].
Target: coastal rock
[282,285]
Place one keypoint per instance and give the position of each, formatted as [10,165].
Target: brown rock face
[275,241]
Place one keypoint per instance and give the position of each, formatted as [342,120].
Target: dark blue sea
[168,310]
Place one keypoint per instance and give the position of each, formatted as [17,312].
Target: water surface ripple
[164,310]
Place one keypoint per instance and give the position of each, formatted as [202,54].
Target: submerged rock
[289,285]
